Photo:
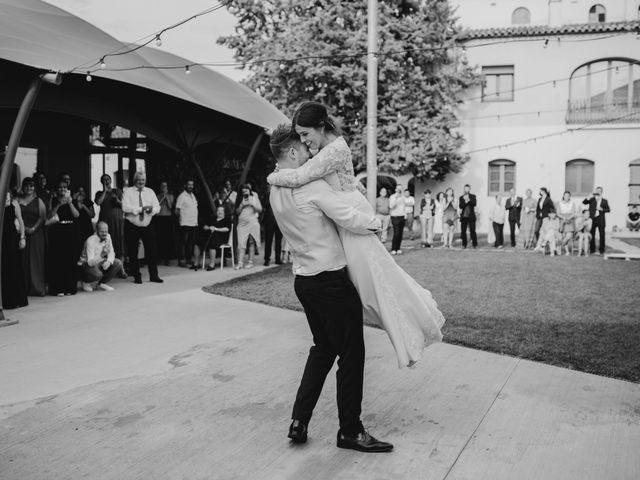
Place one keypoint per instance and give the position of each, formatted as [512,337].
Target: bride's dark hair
[314,115]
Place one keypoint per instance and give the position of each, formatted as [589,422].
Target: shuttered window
[502,176]
[579,177]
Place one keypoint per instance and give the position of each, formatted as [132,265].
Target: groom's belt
[326,274]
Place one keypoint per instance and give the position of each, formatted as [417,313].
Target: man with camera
[467,205]
[139,205]
[598,206]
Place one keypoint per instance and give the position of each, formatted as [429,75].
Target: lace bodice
[333,158]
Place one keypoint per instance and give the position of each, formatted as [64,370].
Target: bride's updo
[314,115]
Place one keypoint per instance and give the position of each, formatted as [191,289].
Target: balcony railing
[591,111]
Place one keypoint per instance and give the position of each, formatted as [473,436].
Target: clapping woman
[33,214]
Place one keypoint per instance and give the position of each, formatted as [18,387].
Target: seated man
[633,219]
[583,232]
[98,262]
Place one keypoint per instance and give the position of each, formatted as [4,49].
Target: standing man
[139,205]
[598,206]
[409,206]
[514,207]
[331,302]
[467,205]
[187,213]
[427,211]
[398,215]
[382,212]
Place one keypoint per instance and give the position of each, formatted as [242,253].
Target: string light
[102,63]
[546,43]
[89,78]
[187,70]
[158,41]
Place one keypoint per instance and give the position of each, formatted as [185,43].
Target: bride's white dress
[390,298]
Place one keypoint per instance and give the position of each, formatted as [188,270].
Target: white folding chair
[228,245]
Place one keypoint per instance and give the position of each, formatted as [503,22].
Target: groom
[330,301]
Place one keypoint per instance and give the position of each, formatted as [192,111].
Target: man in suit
[598,206]
[467,205]
[514,207]
[330,301]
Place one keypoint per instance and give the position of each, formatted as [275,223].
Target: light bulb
[158,41]
[102,63]
[187,71]
[89,78]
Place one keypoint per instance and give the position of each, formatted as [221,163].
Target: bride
[391,299]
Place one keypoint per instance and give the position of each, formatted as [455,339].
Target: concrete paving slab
[168,382]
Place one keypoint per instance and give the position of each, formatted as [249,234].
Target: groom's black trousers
[334,313]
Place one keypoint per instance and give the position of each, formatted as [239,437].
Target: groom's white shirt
[305,215]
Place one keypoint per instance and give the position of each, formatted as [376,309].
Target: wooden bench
[626,256]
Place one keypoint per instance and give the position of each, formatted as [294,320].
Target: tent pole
[7,166]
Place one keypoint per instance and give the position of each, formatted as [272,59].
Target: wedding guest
[98,262]
[271,232]
[498,212]
[550,233]
[66,178]
[598,207]
[514,206]
[567,212]
[33,213]
[62,254]
[398,215]
[164,223]
[427,211]
[449,218]
[383,212]
[139,205]
[583,230]
[633,219]
[215,232]
[42,191]
[222,199]
[409,206]
[528,220]
[14,291]
[543,207]
[248,225]
[230,193]
[109,199]
[84,222]
[467,207]
[437,216]
[187,213]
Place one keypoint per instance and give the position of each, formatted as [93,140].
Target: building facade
[559,104]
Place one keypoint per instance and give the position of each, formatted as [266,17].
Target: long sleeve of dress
[334,158]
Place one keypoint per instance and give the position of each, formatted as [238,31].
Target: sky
[131,20]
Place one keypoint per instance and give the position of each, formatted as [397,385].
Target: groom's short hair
[282,138]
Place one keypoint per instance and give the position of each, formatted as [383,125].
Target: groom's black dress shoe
[363,442]
[298,432]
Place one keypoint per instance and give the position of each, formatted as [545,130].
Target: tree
[301,50]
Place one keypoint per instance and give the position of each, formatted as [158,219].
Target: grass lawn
[578,313]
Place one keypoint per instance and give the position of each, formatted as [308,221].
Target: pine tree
[300,50]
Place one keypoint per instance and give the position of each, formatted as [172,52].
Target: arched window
[597,14]
[579,176]
[502,176]
[605,90]
[521,16]
[634,182]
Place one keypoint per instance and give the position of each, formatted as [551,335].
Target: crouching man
[98,262]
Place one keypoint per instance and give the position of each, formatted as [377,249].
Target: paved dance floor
[169,382]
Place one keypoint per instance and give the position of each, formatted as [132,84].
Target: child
[583,230]
[286,253]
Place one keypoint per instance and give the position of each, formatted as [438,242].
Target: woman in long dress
[567,212]
[109,200]
[63,233]
[449,218]
[33,215]
[528,220]
[14,292]
[390,298]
